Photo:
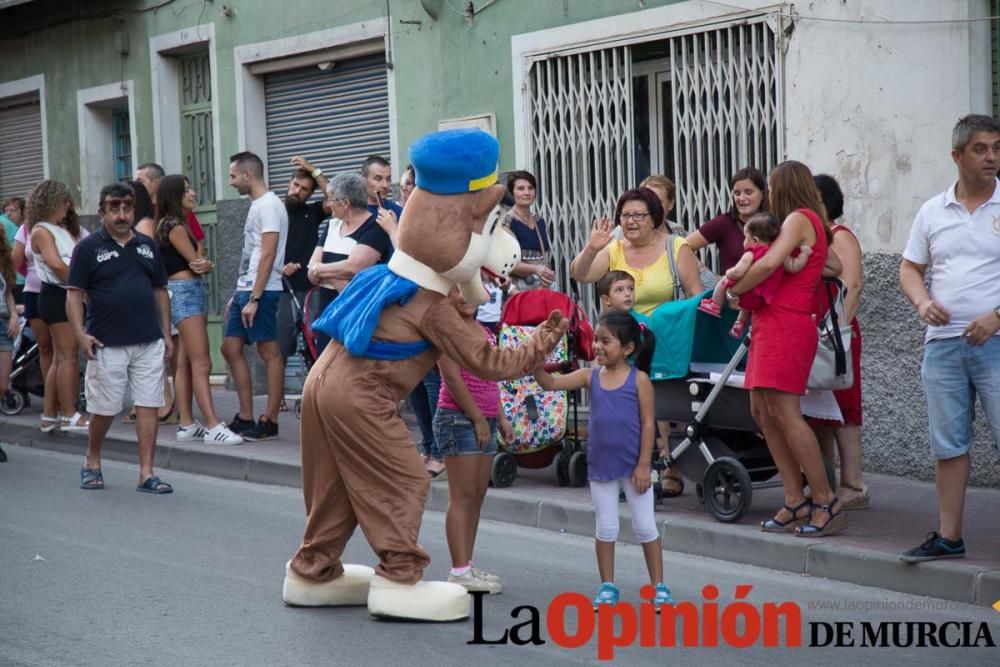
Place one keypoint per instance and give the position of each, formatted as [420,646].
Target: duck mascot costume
[389,326]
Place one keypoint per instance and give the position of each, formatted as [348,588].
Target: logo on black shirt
[145,251]
[104,255]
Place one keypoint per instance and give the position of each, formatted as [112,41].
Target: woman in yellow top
[641,253]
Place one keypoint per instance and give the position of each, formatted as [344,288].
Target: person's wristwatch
[254,298]
[317,172]
[996,311]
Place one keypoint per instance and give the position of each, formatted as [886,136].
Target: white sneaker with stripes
[221,435]
[190,433]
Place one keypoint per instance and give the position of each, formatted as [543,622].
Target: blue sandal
[778,526]
[91,478]
[154,485]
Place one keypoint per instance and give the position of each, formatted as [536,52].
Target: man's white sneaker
[221,435]
[190,433]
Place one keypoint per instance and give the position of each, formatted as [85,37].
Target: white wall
[874,104]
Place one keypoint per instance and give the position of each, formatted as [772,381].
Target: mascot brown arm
[447,331]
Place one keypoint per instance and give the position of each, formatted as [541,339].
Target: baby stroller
[26,377]
[298,364]
[539,418]
[697,382]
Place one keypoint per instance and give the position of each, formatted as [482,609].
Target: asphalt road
[115,577]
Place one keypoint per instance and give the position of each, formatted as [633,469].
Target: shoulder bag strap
[678,291]
[840,355]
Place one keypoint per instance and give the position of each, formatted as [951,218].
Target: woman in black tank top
[188,312]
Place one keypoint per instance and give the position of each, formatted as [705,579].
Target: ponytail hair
[627,330]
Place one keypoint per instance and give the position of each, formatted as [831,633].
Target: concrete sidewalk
[902,512]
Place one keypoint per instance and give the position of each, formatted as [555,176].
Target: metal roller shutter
[335,118]
[21,165]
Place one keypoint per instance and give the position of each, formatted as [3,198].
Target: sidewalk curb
[742,544]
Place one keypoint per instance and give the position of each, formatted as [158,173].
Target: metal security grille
[580,144]
[334,117]
[21,166]
[727,113]
[197,140]
[122,144]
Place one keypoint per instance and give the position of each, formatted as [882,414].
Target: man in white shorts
[127,333]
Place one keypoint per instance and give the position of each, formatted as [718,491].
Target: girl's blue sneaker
[662,596]
[607,594]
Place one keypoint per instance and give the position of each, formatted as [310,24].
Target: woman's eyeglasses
[633,216]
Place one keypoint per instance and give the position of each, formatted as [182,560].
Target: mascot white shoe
[388,328]
[422,601]
[348,590]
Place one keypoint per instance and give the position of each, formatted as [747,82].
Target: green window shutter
[197,141]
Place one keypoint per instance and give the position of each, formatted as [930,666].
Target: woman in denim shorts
[465,428]
[188,313]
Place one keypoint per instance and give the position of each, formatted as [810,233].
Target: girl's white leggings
[640,506]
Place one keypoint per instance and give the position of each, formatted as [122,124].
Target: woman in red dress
[782,349]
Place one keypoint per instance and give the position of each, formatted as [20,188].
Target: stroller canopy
[531,308]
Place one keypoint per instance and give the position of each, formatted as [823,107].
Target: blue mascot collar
[352,317]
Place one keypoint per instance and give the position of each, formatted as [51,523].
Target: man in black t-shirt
[127,334]
[304,219]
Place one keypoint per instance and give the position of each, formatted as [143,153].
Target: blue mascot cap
[450,162]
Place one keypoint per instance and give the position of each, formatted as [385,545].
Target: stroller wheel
[727,489]
[504,470]
[12,402]
[577,469]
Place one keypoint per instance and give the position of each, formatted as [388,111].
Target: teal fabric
[685,334]
[352,317]
[10,229]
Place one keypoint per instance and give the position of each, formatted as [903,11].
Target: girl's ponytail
[643,356]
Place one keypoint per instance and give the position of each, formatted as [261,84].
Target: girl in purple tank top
[619,452]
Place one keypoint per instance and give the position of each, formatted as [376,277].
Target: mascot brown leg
[360,468]
[315,576]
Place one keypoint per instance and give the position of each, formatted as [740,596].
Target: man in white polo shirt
[955,241]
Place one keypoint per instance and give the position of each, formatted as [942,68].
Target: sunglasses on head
[119,205]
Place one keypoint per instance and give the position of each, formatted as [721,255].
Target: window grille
[727,114]
[122,145]
[726,85]
[196,125]
[580,144]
